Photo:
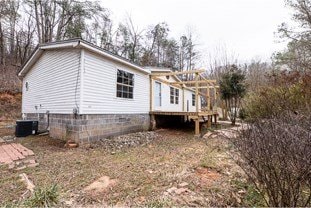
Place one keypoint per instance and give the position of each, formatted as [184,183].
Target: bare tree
[188,51]
[297,56]
[276,156]
[257,73]
[129,39]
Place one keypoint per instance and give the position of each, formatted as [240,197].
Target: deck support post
[215,117]
[209,122]
[197,93]
[208,99]
[197,127]
[197,121]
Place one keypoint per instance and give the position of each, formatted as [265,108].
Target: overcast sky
[244,27]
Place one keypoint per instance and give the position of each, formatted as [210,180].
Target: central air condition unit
[26,127]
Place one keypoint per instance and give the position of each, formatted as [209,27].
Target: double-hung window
[125,84]
[174,95]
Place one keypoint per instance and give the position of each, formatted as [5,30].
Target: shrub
[44,197]
[10,105]
[287,93]
[276,156]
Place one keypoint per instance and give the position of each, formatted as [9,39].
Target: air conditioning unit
[26,127]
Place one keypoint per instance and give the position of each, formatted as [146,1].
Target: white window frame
[118,84]
[175,95]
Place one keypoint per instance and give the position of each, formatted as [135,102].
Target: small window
[125,84]
[193,99]
[174,95]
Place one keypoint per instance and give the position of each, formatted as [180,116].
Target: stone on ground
[183,184]
[181,190]
[101,185]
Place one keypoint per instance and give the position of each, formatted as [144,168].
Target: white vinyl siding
[99,88]
[53,83]
[188,97]
[165,98]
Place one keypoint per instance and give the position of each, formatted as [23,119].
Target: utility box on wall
[25,128]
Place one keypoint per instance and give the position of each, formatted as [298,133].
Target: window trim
[122,84]
[175,96]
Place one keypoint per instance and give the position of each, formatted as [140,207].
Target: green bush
[44,197]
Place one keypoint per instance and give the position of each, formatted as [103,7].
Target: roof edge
[96,49]
[73,43]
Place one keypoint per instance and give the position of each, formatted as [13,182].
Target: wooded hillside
[24,24]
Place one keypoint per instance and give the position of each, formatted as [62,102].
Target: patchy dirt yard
[161,168]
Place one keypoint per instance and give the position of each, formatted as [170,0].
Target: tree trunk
[2,46]
[37,21]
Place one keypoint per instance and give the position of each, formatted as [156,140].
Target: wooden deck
[202,87]
[179,113]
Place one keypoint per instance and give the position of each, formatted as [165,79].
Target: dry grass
[143,173]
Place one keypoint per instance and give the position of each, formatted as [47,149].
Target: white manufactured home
[79,91]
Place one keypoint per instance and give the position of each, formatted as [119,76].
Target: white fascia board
[86,46]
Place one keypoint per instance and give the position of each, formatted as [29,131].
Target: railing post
[197,122]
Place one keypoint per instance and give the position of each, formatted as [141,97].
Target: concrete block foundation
[89,128]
